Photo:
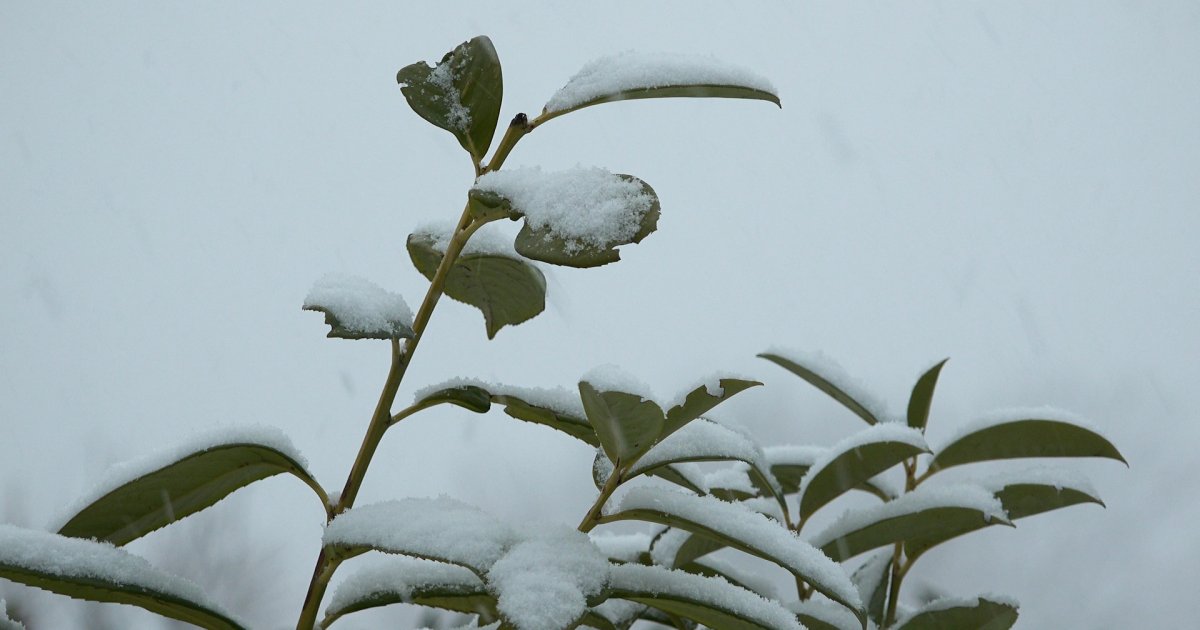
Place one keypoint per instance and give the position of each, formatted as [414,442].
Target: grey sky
[1011,185]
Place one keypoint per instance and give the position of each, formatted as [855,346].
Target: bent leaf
[855,461]
[709,601]
[411,581]
[1028,499]
[461,95]
[834,390]
[926,514]
[507,290]
[181,488]
[631,76]
[1030,437]
[951,614]
[570,424]
[469,397]
[736,526]
[99,572]
[626,424]
[921,399]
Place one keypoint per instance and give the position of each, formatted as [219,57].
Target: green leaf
[407,581]
[573,426]
[695,546]
[507,290]
[921,399]
[699,402]
[879,448]
[338,330]
[984,614]
[544,244]
[828,387]
[487,206]
[626,424]
[1032,437]
[469,397]
[180,489]
[1028,499]
[461,95]
[921,519]
[97,572]
[687,595]
[872,579]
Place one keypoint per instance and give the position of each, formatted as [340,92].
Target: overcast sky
[1012,185]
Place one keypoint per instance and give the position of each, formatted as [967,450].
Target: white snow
[735,477]
[618,611]
[827,368]
[828,612]
[995,481]
[943,603]
[5,622]
[635,71]
[874,434]
[544,582]
[870,573]
[655,580]
[711,385]
[557,399]
[793,454]
[622,547]
[754,530]
[925,497]
[359,305]
[489,239]
[400,576]
[1005,416]
[442,529]
[443,76]
[583,206]
[78,558]
[610,378]
[758,581]
[702,440]
[125,472]
[667,547]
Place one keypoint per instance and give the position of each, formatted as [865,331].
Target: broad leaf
[736,526]
[626,424]
[507,290]
[1028,499]
[356,308]
[573,426]
[98,572]
[856,461]
[983,614]
[544,244]
[179,489]
[709,601]
[630,76]
[487,206]
[1032,437]
[461,95]
[409,581]
[921,399]
[699,402]
[470,397]
[829,387]
[927,515]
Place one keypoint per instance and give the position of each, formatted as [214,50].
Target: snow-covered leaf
[921,399]
[412,581]
[99,572]
[461,95]
[983,613]
[633,75]
[546,581]
[752,581]
[575,218]
[441,529]
[817,614]
[703,399]
[1025,437]
[469,397]
[139,497]
[736,526]
[355,308]
[855,460]
[1027,499]
[710,601]
[627,425]
[558,408]
[872,579]
[567,422]
[835,387]
[508,290]
[929,513]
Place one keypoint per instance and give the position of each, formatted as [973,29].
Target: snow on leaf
[831,378]
[410,580]
[707,600]
[356,308]
[544,582]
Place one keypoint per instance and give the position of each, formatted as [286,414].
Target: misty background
[1011,185]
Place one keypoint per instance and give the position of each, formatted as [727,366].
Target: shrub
[744,497]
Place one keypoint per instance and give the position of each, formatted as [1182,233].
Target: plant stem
[894,587]
[592,518]
[516,130]
[382,418]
